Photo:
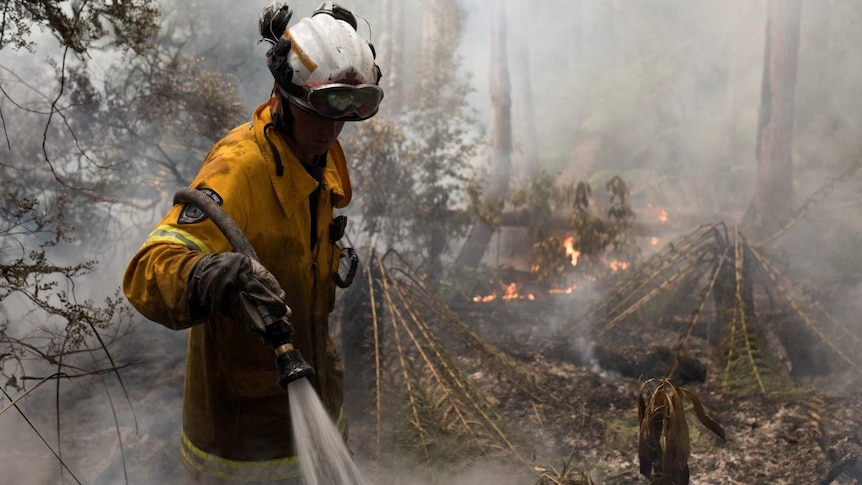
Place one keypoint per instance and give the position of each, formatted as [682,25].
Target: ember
[662,216]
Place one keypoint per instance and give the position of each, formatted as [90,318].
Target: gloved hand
[237,287]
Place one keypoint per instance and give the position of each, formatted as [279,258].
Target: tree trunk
[389,56]
[480,233]
[530,163]
[773,198]
[740,11]
[430,29]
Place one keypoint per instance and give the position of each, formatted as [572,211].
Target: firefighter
[278,177]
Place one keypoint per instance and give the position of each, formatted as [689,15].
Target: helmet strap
[277,107]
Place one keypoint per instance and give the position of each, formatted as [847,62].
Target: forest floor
[796,437]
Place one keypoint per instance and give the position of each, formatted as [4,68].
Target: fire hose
[278,331]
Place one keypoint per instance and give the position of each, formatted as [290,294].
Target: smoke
[144,438]
[664,93]
[26,457]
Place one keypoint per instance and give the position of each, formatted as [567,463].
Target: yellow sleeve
[155,283]
[156,279]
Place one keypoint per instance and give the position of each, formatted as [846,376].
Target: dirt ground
[799,437]
[795,438]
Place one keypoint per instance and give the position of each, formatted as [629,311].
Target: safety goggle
[342,102]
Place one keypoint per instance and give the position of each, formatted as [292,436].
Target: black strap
[315,171]
[279,167]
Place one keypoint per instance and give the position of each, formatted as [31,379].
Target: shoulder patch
[192,214]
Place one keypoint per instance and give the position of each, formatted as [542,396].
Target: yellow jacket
[236,422]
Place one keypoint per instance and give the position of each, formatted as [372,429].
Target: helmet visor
[343,102]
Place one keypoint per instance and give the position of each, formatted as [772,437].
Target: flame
[563,291]
[510,292]
[571,252]
[617,265]
[662,216]
[513,294]
[654,241]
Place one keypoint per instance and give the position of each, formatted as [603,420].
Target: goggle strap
[294,90]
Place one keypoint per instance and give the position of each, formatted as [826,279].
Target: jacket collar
[295,185]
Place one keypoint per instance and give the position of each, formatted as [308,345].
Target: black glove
[237,287]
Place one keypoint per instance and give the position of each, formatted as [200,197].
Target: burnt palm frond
[442,403]
[747,337]
[738,279]
[378,395]
[803,306]
[672,254]
[664,285]
[412,396]
[698,310]
[667,269]
[523,377]
[664,445]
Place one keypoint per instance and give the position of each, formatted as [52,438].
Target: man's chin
[319,147]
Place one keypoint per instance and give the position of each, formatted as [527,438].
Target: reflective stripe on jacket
[248,471]
[233,411]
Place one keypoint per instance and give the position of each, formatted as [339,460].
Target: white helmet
[321,64]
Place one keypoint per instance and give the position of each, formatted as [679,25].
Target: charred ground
[785,390]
